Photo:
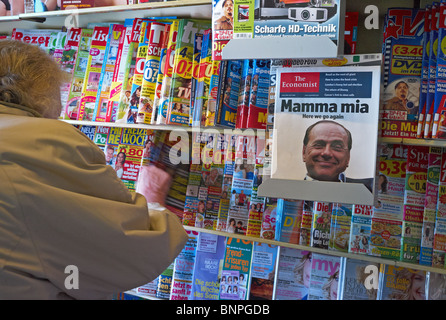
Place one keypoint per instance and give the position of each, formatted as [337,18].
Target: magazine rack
[266,48]
[235,49]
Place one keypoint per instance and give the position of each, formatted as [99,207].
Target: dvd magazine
[341,148]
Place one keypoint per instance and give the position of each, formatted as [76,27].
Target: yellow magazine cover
[93,73]
[150,74]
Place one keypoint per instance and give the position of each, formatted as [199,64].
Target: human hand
[153,184]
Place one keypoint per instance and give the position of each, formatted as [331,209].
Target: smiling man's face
[326,154]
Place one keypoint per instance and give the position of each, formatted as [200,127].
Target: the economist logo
[299,82]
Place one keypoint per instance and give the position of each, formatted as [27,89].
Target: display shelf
[197,9]
[418,142]
[266,48]
[353,193]
[363,257]
[166,127]
[9,18]
[178,8]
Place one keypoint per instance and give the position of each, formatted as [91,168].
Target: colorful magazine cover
[320,231]
[38,37]
[439,114]
[242,181]
[414,201]
[269,219]
[292,274]
[227,181]
[341,218]
[402,76]
[100,137]
[212,179]
[433,83]
[257,202]
[222,26]
[306,224]
[199,42]
[424,71]
[357,281]
[288,222]
[211,170]
[128,157]
[208,267]
[245,89]
[183,269]
[430,205]
[299,18]
[121,70]
[235,274]
[68,63]
[157,33]
[195,200]
[351,32]
[345,99]
[214,92]
[93,72]
[399,283]
[56,45]
[360,229]
[201,98]
[160,75]
[163,102]
[180,90]
[129,65]
[324,278]
[89,131]
[439,245]
[226,110]
[75,92]
[263,268]
[111,145]
[115,37]
[148,290]
[131,109]
[258,96]
[165,283]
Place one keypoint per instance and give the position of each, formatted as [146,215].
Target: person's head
[31,78]
[201,206]
[109,153]
[382,183]
[326,150]
[401,90]
[228,6]
[120,158]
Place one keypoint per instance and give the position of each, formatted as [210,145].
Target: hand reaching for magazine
[154,184]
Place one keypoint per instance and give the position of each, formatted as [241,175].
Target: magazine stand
[267,48]
[315,47]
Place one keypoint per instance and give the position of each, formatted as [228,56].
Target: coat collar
[16,109]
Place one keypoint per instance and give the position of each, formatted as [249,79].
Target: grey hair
[30,77]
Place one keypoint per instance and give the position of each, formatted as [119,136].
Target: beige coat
[61,205]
